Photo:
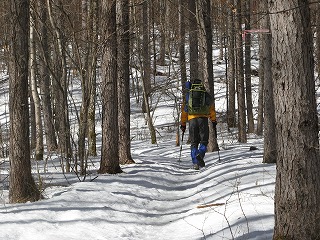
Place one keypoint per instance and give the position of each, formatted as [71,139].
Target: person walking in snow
[197,108]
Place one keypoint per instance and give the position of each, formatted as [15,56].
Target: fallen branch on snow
[210,205]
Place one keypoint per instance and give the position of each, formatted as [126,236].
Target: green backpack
[199,100]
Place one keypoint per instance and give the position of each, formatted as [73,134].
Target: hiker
[196,109]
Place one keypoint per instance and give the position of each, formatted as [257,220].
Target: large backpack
[198,100]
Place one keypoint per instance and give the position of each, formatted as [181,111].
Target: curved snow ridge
[156,198]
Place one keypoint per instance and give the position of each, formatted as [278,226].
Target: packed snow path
[156,198]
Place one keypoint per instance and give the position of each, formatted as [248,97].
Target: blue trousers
[199,135]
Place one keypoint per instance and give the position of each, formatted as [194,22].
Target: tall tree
[270,153]
[318,37]
[182,55]
[146,67]
[22,185]
[193,40]
[231,71]
[163,26]
[206,11]
[146,75]
[44,78]
[182,43]
[109,162]
[242,136]
[60,80]
[297,191]
[259,130]
[86,60]
[247,67]
[95,16]
[39,149]
[124,82]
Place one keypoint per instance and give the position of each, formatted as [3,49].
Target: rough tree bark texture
[124,83]
[22,185]
[297,194]
[110,138]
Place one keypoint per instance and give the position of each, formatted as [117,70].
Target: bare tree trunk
[221,30]
[44,81]
[242,136]
[136,48]
[182,58]
[193,40]
[33,134]
[163,11]
[95,16]
[124,83]
[2,148]
[92,45]
[153,23]
[182,43]
[297,192]
[35,95]
[22,185]
[60,86]
[231,72]
[270,151]
[259,130]
[86,85]
[318,39]
[248,67]
[146,72]
[206,10]
[110,132]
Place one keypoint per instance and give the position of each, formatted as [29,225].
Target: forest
[110,51]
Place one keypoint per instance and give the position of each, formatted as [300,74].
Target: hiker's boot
[195,166]
[200,160]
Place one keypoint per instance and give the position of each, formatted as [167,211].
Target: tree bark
[242,136]
[86,85]
[247,67]
[124,83]
[259,130]
[60,85]
[163,27]
[109,162]
[182,59]
[193,40]
[95,16]
[270,152]
[297,192]
[212,145]
[231,72]
[39,150]
[22,185]
[146,84]
[44,80]
[318,38]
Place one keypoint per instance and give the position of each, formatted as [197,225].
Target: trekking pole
[216,134]
[179,160]
[219,154]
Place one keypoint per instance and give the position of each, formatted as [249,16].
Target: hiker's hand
[183,127]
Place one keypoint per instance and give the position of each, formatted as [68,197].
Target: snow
[155,198]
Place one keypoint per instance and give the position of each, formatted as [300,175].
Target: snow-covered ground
[155,198]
